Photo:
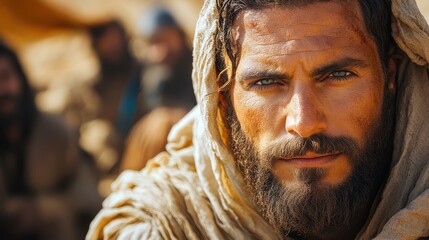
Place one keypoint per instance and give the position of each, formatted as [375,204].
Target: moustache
[320,144]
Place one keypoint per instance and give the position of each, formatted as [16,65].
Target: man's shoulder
[52,122]
[52,151]
[51,134]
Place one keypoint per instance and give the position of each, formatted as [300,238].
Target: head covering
[154,20]
[195,191]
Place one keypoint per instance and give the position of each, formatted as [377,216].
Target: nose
[305,114]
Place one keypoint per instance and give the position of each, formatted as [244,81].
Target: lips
[311,160]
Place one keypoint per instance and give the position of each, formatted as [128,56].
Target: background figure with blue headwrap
[166,86]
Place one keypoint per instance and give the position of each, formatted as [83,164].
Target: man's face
[10,90]
[308,101]
[111,46]
[165,46]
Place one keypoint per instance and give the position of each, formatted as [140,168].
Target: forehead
[328,27]
[340,13]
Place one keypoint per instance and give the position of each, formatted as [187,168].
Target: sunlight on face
[306,72]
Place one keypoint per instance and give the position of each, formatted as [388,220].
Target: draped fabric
[194,191]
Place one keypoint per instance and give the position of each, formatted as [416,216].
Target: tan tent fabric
[195,192]
[50,38]
[26,21]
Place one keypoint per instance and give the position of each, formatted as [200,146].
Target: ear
[391,74]
[392,67]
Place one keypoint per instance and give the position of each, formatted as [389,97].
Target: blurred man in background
[166,85]
[167,81]
[119,82]
[118,89]
[47,187]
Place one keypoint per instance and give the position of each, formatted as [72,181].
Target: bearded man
[310,124]
[44,176]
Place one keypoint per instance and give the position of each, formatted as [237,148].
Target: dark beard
[312,209]
[9,118]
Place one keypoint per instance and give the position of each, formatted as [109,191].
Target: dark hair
[376,14]
[28,110]
[98,30]
[155,20]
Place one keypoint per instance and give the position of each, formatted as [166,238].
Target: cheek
[12,85]
[15,85]
[256,116]
[357,111]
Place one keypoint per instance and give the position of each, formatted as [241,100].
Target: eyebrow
[337,65]
[270,74]
[261,74]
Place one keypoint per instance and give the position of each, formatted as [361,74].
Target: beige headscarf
[195,192]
